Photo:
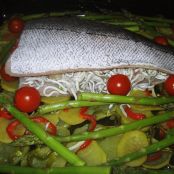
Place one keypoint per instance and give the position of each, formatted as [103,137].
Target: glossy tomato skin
[118,84]
[6,76]
[27,99]
[161,40]
[169,85]
[16,25]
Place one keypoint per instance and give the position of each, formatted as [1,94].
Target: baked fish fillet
[69,44]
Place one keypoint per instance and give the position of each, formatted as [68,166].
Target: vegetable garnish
[154,156]
[118,130]
[16,25]
[6,76]
[144,151]
[92,120]
[50,141]
[11,128]
[133,115]
[124,99]
[27,99]
[84,145]
[49,127]
[59,170]
[169,85]
[161,40]
[88,117]
[118,84]
[5,114]
[170,124]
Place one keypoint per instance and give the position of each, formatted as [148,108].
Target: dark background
[142,7]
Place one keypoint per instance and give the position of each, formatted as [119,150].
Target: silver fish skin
[69,44]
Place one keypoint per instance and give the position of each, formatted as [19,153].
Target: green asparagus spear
[120,129]
[144,151]
[139,170]
[125,99]
[66,170]
[67,104]
[50,141]
[157,19]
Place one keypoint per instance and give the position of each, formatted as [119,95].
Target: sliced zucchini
[93,154]
[4,138]
[109,145]
[10,86]
[71,116]
[54,99]
[159,163]
[131,142]
[53,117]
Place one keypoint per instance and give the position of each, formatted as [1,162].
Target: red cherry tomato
[161,40]
[169,85]
[6,76]
[27,99]
[119,84]
[16,25]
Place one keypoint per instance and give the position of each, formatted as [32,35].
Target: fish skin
[68,44]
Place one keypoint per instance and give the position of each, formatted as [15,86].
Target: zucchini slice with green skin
[159,163]
[109,145]
[93,154]
[131,142]
[10,86]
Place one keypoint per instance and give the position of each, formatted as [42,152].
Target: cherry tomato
[119,84]
[6,76]
[161,40]
[169,85]
[27,99]
[16,25]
